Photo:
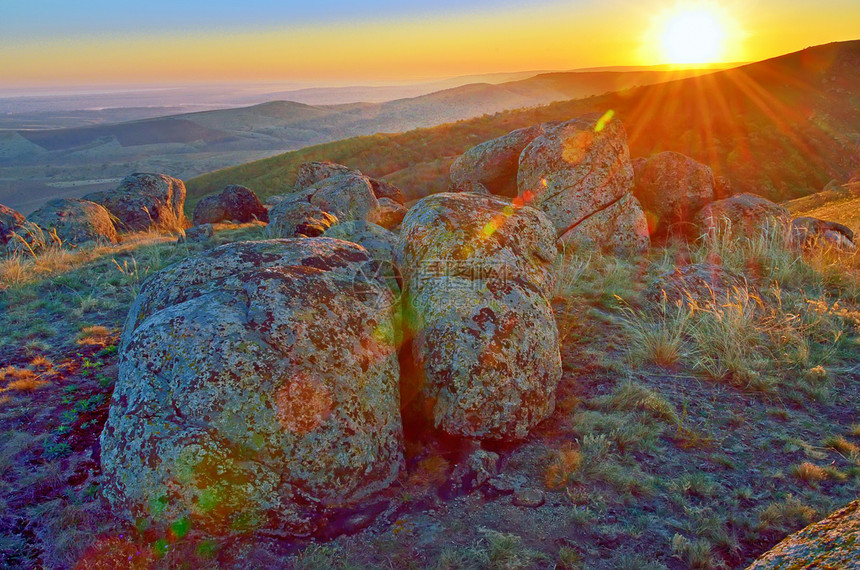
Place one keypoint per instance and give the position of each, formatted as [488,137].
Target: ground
[667,448]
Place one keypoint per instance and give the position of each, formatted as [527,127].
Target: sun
[693,34]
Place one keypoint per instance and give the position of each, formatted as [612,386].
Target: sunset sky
[57,42]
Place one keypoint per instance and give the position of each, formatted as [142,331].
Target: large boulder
[380,244]
[581,169]
[576,169]
[477,276]
[233,203]
[743,215]
[807,231]
[76,222]
[831,543]
[145,202]
[10,221]
[494,163]
[672,189]
[298,218]
[257,389]
[347,197]
[621,228]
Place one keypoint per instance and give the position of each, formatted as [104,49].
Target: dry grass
[809,472]
[564,464]
[841,445]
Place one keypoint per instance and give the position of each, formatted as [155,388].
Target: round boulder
[743,215]
[145,202]
[620,229]
[296,218]
[486,354]
[310,173]
[494,163]
[233,203]
[672,189]
[807,231]
[257,390]
[76,222]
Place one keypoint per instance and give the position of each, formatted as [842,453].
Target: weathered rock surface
[234,203]
[145,201]
[574,170]
[380,244]
[257,390]
[698,283]
[489,354]
[620,228]
[831,543]
[470,186]
[310,173]
[383,189]
[477,275]
[672,188]
[297,218]
[743,215]
[807,231]
[389,214]
[76,222]
[198,233]
[494,163]
[10,221]
[581,170]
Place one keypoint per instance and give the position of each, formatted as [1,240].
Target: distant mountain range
[782,128]
[36,164]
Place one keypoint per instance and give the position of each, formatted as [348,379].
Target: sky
[335,42]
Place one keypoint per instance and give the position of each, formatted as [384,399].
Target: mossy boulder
[234,203]
[76,222]
[484,342]
[144,201]
[257,389]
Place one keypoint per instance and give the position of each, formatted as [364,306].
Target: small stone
[530,498]
[197,234]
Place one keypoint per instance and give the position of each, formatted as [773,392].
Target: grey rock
[620,228]
[201,233]
[297,218]
[807,231]
[529,498]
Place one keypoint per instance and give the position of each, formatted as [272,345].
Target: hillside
[38,164]
[782,128]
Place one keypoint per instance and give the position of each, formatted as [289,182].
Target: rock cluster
[326,193]
[578,173]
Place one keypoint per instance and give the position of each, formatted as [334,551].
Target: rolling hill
[33,162]
[782,128]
